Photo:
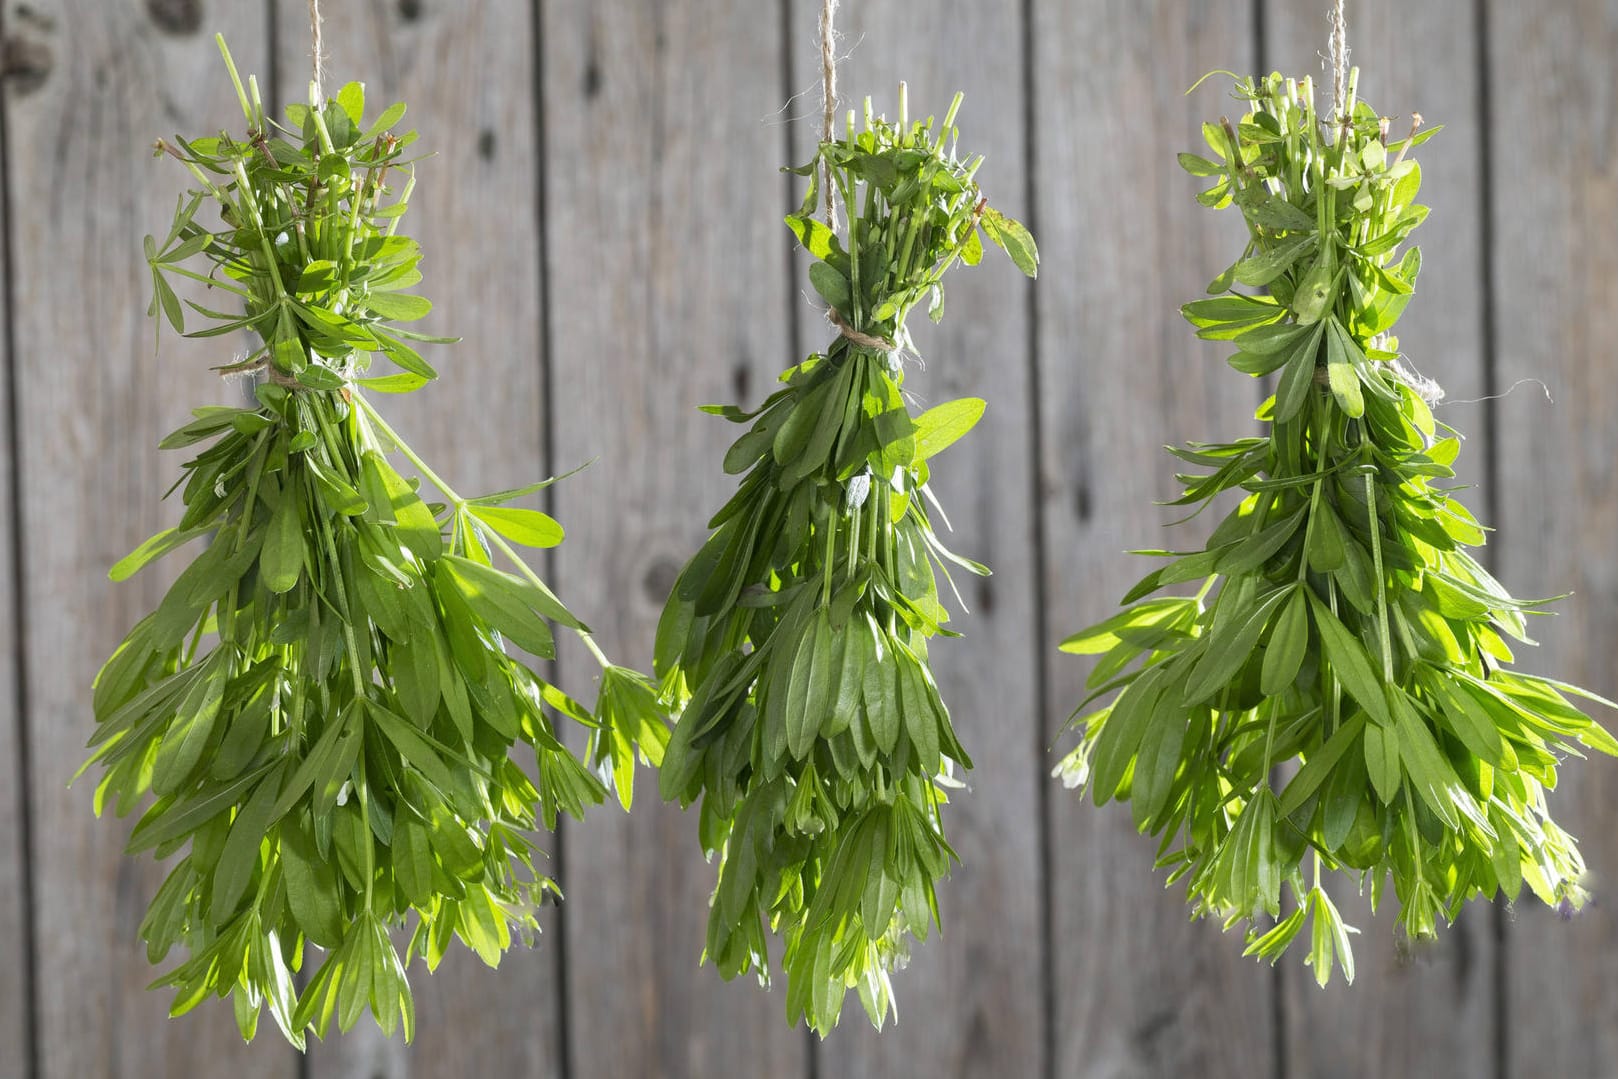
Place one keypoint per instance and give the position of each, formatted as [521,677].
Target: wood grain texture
[1140,991]
[1554,171]
[1430,1010]
[666,260]
[95,400]
[467,74]
[14,928]
[972,1000]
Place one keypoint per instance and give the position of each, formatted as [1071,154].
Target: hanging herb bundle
[797,637]
[323,703]
[1342,635]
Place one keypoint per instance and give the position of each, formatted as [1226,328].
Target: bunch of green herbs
[796,639]
[1341,636]
[322,706]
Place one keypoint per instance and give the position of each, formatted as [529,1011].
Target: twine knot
[858,337]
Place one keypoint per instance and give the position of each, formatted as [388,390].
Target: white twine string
[828,91]
[317,53]
[1337,45]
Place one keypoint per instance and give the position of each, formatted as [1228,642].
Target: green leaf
[1350,664]
[154,548]
[1343,376]
[505,602]
[390,118]
[398,306]
[1288,643]
[168,301]
[1107,635]
[399,382]
[413,862]
[1382,761]
[406,357]
[528,527]
[182,745]
[320,761]
[1158,760]
[351,98]
[943,424]
[816,238]
[1265,267]
[319,377]
[1228,649]
[413,747]
[1011,237]
[1277,213]
[311,886]
[334,489]
[514,493]
[416,527]
[1298,377]
[832,286]
[1469,720]
[240,857]
[1319,765]
[1122,732]
[1200,166]
[281,558]
[1435,781]
[814,681]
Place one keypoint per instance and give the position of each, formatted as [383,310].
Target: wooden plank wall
[603,228]
[15,992]
[1552,167]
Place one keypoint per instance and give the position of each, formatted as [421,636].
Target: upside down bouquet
[1341,637]
[322,707]
[812,728]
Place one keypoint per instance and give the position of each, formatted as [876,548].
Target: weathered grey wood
[666,263]
[1427,1011]
[972,1000]
[1553,213]
[1139,990]
[94,401]
[467,73]
[14,989]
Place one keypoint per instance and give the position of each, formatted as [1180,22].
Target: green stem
[1334,696]
[251,203]
[1381,583]
[235,79]
[362,788]
[1322,440]
[404,198]
[831,549]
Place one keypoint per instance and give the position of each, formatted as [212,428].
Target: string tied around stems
[858,337]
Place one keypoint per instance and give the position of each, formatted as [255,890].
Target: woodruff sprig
[1341,633]
[796,639]
[323,704]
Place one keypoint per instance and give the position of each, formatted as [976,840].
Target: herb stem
[1381,583]
[245,186]
[362,788]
